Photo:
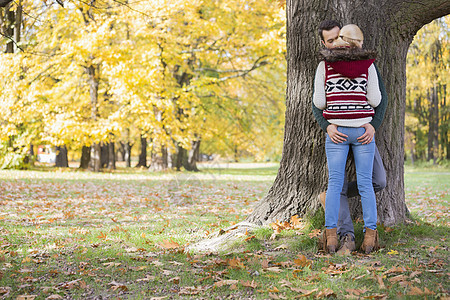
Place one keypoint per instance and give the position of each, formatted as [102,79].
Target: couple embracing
[349,103]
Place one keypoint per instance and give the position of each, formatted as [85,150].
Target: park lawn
[122,235]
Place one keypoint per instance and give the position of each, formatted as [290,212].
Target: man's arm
[381,108]
[377,119]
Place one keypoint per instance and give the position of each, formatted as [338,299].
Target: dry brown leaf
[376,296]
[274,269]
[395,270]
[326,293]
[379,279]
[306,293]
[398,278]
[26,297]
[415,291]
[251,284]
[175,280]
[274,289]
[147,278]
[235,263]
[265,263]
[356,292]
[169,244]
[302,261]
[54,297]
[118,286]
[225,282]
[190,290]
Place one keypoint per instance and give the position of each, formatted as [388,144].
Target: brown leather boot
[322,196]
[370,242]
[332,240]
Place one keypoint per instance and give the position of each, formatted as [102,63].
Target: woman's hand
[367,137]
[336,136]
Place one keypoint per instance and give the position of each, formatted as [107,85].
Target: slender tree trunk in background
[9,32]
[61,157]
[18,24]
[445,123]
[85,157]
[104,155]
[128,147]
[433,124]
[159,158]
[121,151]
[389,27]
[93,92]
[180,156]
[143,155]
[193,156]
[112,157]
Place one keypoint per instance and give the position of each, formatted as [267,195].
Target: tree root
[224,239]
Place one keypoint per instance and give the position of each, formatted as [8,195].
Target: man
[329,32]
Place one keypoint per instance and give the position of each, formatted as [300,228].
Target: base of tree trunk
[224,239]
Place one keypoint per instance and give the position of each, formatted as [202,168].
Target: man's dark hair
[328,25]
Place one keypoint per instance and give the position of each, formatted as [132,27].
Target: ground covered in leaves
[80,235]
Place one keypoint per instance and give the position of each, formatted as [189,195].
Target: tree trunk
[190,163]
[9,32]
[85,157]
[433,124]
[180,156]
[389,27]
[112,157]
[104,155]
[128,147]
[159,158]
[143,155]
[93,92]
[95,163]
[61,157]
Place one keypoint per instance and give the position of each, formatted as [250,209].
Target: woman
[346,89]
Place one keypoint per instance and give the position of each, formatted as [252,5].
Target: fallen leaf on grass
[175,280]
[274,269]
[302,261]
[235,263]
[393,252]
[191,290]
[26,297]
[305,293]
[274,289]
[356,292]
[395,270]
[169,244]
[281,247]
[415,291]
[376,296]
[326,293]
[398,278]
[225,282]
[251,284]
[54,297]
[379,279]
[118,286]
[147,278]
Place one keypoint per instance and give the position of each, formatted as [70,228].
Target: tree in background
[108,73]
[428,82]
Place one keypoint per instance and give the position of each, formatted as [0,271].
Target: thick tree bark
[389,27]
[159,158]
[85,157]
[143,155]
[61,157]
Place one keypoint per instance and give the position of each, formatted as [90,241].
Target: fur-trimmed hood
[347,54]
[350,62]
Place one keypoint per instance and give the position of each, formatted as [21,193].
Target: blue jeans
[336,160]
[350,189]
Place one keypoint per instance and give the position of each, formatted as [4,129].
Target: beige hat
[349,36]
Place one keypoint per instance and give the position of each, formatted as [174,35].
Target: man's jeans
[349,190]
[336,159]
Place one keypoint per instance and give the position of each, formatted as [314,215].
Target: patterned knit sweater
[346,87]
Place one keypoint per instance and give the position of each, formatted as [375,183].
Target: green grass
[82,235]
